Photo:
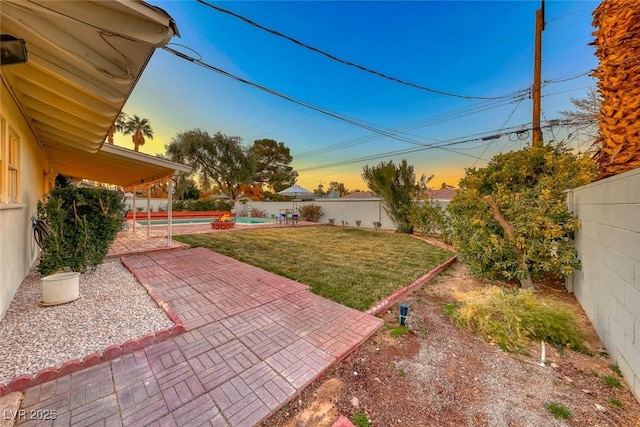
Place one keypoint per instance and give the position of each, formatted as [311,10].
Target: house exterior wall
[18,249]
[608,285]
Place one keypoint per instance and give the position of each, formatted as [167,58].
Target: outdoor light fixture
[404,312]
[12,50]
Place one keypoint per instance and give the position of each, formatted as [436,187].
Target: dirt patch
[435,374]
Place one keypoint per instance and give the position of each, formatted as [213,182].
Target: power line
[428,147]
[437,119]
[501,128]
[349,63]
[355,122]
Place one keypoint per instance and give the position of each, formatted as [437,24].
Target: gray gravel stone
[113,307]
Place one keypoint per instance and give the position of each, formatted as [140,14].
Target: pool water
[247,220]
[178,221]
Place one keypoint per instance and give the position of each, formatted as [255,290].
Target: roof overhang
[114,165]
[84,59]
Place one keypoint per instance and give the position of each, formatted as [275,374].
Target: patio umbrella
[296,192]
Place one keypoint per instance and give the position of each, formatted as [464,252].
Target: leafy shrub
[332,221]
[377,225]
[405,228]
[526,188]
[83,223]
[202,205]
[311,212]
[430,218]
[258,213]
[511,318]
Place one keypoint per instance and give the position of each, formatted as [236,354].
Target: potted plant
[82,223]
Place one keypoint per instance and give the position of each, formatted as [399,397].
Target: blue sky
[472,48]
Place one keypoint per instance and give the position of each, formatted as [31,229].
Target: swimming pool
[179,221]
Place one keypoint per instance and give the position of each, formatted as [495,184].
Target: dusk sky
[477,49]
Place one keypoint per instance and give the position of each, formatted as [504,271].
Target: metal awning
[113,165]
[84,59]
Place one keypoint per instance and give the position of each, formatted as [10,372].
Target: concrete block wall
[608,286]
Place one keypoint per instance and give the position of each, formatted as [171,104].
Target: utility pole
[537,71]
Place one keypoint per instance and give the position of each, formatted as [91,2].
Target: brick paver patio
[253,341]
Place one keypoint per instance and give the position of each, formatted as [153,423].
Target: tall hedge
[510,219]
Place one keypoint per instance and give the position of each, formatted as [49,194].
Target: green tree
[510,220]
[185,188]
[397,187]
[117,126]
[320,190]
[273,164]
[220,159]
[139,129]
[337,186]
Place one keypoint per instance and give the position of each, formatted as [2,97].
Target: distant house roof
[360,195]
[442,194]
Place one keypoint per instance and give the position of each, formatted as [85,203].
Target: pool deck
[253,341]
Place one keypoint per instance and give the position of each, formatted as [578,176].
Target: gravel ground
[113,307]
[435,374]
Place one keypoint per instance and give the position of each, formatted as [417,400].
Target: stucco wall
[366,210]
[608,286]
[141,203]
[350,210]
[18,250]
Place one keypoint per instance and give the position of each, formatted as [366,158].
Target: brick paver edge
[387,302]
[350,350]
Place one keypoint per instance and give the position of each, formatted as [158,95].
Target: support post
[133,226]
[169,211]
[149,211]
[537,78]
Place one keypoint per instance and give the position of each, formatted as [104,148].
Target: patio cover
[84,59]
[114,165]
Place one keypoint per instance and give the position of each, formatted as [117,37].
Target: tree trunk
[508,228]
[618,73]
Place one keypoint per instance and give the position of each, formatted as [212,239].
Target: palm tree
[619,85]
[138,128]
[117,126]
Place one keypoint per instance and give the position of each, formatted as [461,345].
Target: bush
[510,220]
[512,318]
[404,227]
[258,213]
[430,218]
[202,205]
[311,212]
[83,223]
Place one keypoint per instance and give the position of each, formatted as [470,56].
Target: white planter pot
[60,288]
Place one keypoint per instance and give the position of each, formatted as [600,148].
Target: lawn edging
[383,305]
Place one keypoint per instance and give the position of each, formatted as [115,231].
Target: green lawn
[353,267]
